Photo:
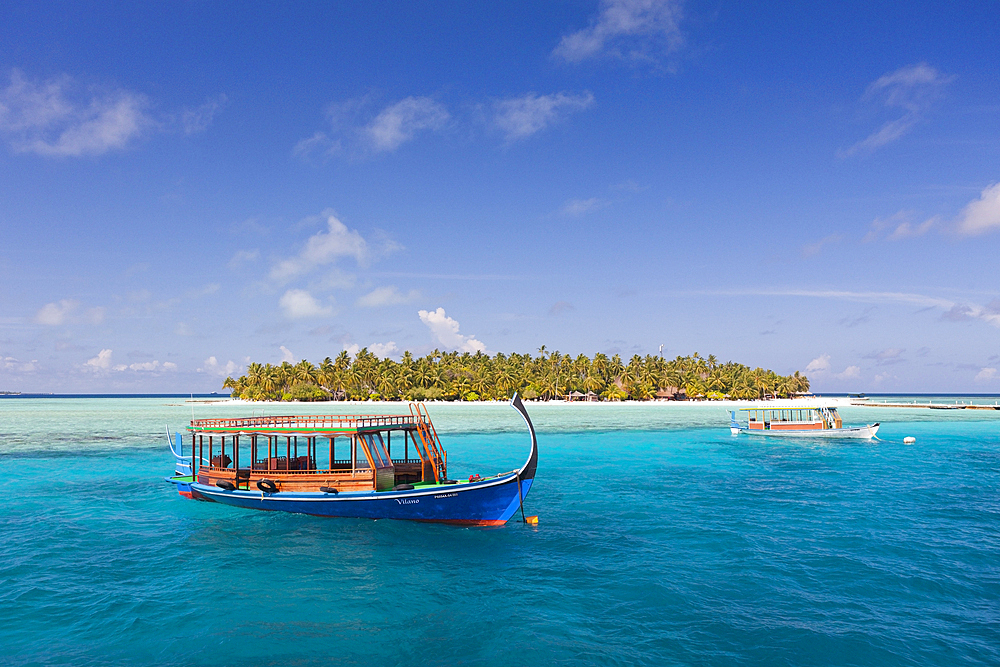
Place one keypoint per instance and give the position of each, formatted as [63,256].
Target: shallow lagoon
[663,540]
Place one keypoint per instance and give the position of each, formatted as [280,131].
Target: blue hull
[486,503]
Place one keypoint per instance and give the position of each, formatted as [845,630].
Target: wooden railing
[264,472]
[306,421]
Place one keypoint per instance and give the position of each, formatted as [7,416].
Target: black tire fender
[329,489]
[267,486]
[403,487]
[225,485]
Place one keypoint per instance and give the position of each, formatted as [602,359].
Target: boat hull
[486,503]
[183,484]
[866,432]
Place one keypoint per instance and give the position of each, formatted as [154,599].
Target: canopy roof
[311,425]
[790,407]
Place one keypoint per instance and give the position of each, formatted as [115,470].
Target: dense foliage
[453,376]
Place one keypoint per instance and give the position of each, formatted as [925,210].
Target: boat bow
[527,472]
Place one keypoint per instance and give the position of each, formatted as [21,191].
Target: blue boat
[368,482]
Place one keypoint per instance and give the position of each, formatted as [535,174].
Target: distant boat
[801,422]
[242,462]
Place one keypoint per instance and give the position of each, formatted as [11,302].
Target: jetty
[929,404]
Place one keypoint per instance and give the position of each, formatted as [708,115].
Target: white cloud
[986,374]
[153,366]
[819,365]
[913,89]
[51,118]
[901,226]
[54,314]
[323,248]
[637,29]
[65,312]
[383,350]
[286,355]
[445,330]
[319,140]
[398,123]
[13,364]
[983,214]
[850,373]
[242,257]
[213,367]
[299,304]
[198,119]
[581,206]
[101,362]
[352,349]
[520,117]
[386,296]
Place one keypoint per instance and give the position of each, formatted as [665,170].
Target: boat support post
[520,496]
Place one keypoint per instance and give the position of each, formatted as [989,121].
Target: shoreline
[770,404]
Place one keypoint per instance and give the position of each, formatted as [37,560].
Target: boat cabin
[319,452]
[793,419]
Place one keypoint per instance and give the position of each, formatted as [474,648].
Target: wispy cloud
[13,364]
[400,122]
[986,375]
[575,207]
[560,307]
[445,330]
[633,29]
[954,311]
[387,296]
[299,304]
[355,132]
[911,89]
[213,367]
[891,355]
[814,248]
[960,312]
[897,227]
[67,311]
[849,373]
[983,214]
[523,116]
[242,257]
[199,118]
[56,118]
[323,248]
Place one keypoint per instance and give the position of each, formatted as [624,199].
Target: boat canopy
[308,451]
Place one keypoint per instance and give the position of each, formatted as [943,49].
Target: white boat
[798,422]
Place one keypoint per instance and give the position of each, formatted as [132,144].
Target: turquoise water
[663,540]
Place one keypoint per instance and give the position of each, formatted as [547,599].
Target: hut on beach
[671,394]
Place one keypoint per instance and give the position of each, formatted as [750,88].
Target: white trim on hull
[856,432]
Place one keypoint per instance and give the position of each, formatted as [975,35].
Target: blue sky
[188,186]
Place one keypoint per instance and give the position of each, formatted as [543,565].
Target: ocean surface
[663,540]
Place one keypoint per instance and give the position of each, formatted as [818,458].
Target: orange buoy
[531,520]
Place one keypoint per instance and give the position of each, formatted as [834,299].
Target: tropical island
[450,376]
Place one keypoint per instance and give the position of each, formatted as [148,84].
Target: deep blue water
[663,540]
